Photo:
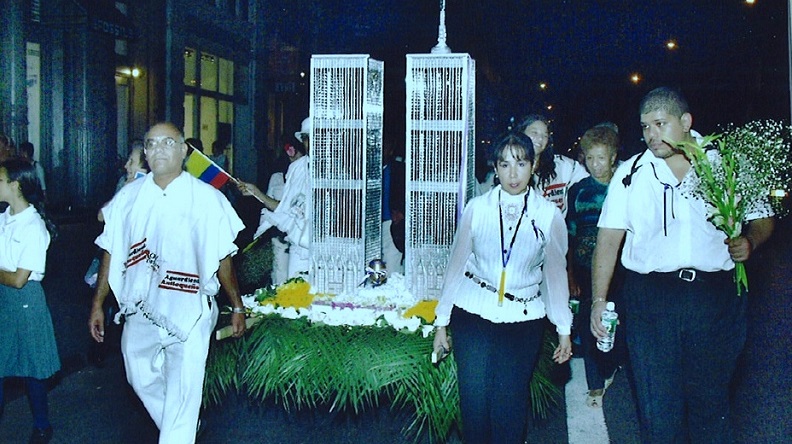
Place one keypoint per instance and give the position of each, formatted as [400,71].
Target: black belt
[484,284]
[691,275]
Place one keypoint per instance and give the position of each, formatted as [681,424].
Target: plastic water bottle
[609,319]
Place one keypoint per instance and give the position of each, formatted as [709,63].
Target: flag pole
[237,182]
[230,177]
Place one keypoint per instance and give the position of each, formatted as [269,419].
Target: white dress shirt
[667,226]
[24,240]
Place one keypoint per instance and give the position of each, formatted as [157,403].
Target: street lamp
[542,86]
[129,71]
[671,45]
[635,78]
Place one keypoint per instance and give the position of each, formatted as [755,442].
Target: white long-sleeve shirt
[537,264]
[292,215]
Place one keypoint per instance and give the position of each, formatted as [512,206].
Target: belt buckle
[687,274]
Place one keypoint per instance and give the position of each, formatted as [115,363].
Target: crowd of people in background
[544,229]
[634,237]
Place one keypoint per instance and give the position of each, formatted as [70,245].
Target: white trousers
[168,375]
[390,254]
[299,260]
[280,261]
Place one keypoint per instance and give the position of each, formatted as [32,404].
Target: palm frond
[305,365]
[222,365]
[544,392]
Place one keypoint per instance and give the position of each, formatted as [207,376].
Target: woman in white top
[507,271]
[553,174]
[28,340]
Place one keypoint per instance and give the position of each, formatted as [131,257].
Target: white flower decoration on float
[378,306]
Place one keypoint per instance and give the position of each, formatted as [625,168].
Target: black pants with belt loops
[686,331]
[495,363]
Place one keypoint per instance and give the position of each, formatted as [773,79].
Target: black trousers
[495,363]
[599,365]
[684,339]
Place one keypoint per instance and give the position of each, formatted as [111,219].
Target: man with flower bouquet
[687,324]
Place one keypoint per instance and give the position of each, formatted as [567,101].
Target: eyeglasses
[164,142]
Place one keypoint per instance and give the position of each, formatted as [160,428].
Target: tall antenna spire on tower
[441,47]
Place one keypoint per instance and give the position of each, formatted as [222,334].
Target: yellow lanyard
[506,254]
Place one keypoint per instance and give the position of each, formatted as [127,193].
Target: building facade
[82,79]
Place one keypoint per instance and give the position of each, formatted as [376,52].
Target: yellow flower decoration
[424,310]
[292,294]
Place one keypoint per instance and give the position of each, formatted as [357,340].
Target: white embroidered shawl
[166,247]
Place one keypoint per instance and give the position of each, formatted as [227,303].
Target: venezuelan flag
[203,168]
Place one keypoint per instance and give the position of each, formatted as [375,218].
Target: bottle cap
[610,306]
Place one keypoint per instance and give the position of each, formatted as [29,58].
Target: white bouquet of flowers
[744,173]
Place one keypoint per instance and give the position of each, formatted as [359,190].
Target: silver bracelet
[238,310]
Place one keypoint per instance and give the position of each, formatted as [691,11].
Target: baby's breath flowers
[765,144]
[737,177]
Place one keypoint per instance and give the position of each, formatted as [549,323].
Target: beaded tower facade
[346,169]
[440,162]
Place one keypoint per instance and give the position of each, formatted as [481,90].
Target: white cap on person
[305,129]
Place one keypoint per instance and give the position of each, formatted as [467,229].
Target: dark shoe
[40,436]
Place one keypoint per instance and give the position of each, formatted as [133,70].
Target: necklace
[506,253]
[510,211]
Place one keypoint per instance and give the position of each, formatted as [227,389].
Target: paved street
[89,404]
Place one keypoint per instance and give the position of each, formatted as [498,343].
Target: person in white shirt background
[275,189]
[290,213]
[28,339]
[553,173]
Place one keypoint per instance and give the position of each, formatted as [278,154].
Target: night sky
[731,59]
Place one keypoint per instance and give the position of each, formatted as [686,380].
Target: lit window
[190,61]
[208,72]
[226,77]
